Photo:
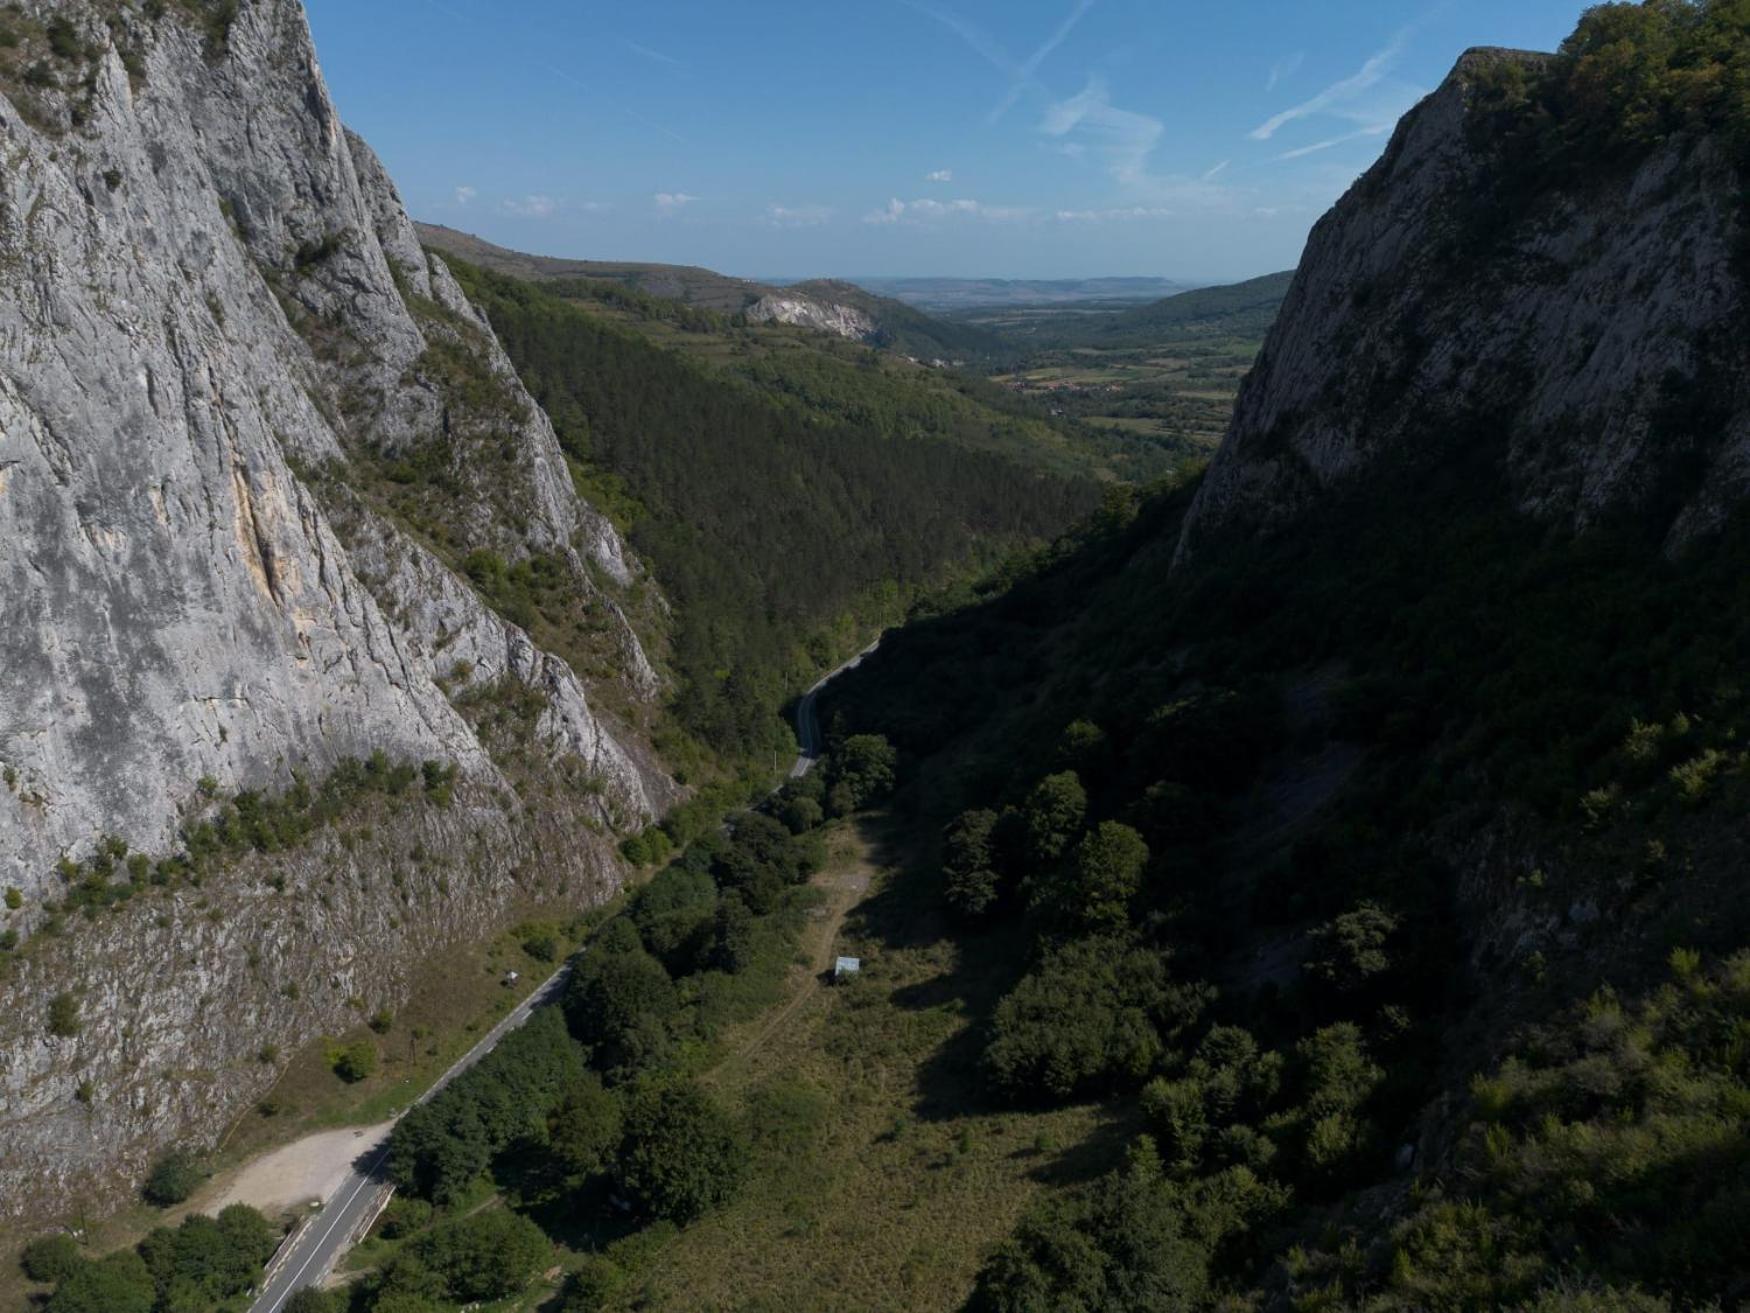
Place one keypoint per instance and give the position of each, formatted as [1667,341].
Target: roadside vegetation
[594,1126]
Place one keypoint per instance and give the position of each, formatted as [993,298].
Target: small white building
[846,967]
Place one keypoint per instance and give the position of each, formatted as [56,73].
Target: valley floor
[889,1181]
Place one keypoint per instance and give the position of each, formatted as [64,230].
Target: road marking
[339,1214]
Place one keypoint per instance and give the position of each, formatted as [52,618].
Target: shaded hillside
[1379,858]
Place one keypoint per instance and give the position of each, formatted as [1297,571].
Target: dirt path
[846,880]
[292,1176]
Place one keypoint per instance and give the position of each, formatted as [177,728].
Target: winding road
[362,1195]
[810,741]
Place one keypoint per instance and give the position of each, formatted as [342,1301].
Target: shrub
[971,884]
[584,1131]
[1695,777]
[405,1216]
[1106,873]
[52,1258]
[1349,951]
[356,1061]
[864,767]
[620,1004]
[14,898]
[801,814]
[119,1283]
[173,1178]
[64,1015]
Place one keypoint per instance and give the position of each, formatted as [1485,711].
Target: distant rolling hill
[1242,309]
[688,284]
[817,304]
[956,295]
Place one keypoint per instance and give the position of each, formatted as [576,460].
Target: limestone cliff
[248,433]
[824,317]
[1579,327]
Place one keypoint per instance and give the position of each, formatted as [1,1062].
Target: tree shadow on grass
[907,914]
[1091,1157]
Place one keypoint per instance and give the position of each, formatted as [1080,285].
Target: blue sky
[991,138]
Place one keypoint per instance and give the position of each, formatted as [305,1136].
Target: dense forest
[775,526]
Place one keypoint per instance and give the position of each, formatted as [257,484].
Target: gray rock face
[1573,333]
[176,602]
[840,320]
[208,290]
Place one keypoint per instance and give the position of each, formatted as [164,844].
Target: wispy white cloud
[798,216]
[1123,137]
[1303,151]
[530,207]
[656,56]
[1212,174]
[1286,67]
[940,175]
[1023,75]
[1119,215]
[672,202]
[1027,74]
[926,211]
[464,195]
[1338,95]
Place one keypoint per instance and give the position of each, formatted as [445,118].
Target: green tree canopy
[1052,817]
[486,1255]
[119,1283]
[682,1155]
[864,765]
[584,1131]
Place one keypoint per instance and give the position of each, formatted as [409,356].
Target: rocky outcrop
[215,320]
[823,317]
[1581,329]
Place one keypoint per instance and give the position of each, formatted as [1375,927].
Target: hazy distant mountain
[949,294]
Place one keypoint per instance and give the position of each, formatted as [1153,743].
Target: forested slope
[780,519]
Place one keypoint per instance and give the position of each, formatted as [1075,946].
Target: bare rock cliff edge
[1575,330]
[213,313]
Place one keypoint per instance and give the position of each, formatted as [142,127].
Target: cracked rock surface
[1580,332]
[208,289]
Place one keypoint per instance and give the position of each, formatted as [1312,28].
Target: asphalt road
[331,1232]
[808,735]
[352,1207]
